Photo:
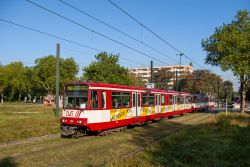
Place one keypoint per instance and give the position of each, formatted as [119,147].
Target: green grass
[20,122]
[223,142]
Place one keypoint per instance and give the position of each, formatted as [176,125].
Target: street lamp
[181,54]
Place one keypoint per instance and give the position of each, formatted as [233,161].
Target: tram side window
[148,99]
[179,99]
[188,99]
[125,99]
[116,99]
[120,99]
[163,99]
[151,99]
[94,99]
[194,99]
[145,101]
[171,100]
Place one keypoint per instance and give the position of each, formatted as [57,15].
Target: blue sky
[183,23]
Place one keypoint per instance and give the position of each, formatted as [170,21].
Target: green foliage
[136,80]
[13,79]
[203,81]
[229,48]
[162,78]
[17,81]
[46,71]
[106,69]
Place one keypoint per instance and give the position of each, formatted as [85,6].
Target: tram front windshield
[76,96]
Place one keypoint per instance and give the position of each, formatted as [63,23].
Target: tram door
[175,102]
[136,104]
[158,103]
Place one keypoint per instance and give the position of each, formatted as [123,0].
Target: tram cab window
[94,99]
[76,96]
[83,103]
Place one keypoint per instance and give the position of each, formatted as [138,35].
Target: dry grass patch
[20,122]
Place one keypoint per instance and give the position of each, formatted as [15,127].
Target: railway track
[190,123]
[77,150]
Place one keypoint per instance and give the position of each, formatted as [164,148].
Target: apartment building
[145,72]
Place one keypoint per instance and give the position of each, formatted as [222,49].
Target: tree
[185,82]
[45,70]
[229,48]
[2,82]
[14,80]
[106,69]
[202,81]
[136,80]
[162,78]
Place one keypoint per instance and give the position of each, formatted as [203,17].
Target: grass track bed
[223,142]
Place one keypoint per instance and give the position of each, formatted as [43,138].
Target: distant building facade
[145,72]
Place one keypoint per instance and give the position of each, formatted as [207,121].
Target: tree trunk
[1,98]
[242,93]
[20,95]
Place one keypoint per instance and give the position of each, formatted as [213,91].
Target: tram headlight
[79,121]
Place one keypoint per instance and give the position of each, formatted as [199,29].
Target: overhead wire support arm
[91,30]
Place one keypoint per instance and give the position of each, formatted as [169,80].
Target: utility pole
[57,78]
[151,71]
[218,93]
[176,83]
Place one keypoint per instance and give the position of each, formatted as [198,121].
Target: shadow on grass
[205,145]
[7,162]
[209,144]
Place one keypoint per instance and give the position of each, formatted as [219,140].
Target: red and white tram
[96,107]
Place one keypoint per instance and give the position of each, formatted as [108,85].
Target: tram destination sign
[76,88]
